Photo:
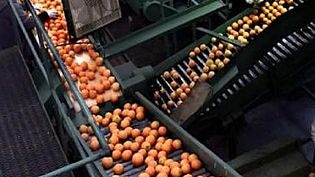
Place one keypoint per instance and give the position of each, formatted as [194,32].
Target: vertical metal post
[165,38]
[68,78]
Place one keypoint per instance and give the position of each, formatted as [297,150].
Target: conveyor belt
[29,146]
[277,54]
[169,91]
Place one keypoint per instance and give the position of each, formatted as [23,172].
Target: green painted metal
[76,164]
[68,78]
[179,56]
[163,27]
[70,130]
[221,37]
[30,43]
[211,161]
[152,11]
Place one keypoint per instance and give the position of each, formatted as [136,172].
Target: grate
[28,145]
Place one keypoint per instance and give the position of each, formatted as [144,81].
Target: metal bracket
[223,38]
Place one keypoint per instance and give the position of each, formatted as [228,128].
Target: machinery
[241,72]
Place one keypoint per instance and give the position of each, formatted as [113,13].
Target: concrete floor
[275,119]
[278,118]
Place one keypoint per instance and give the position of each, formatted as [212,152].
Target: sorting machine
[246,76]
[66,120]
[275,62]
[249,74]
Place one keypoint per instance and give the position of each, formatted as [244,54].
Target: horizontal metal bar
[37,59]
[70,130]
[165,26]
[211,160]
[75,165]
[221,37]
[68,78]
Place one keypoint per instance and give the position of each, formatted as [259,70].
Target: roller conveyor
[254,82]
[164,90]
[29,146]
[269,59]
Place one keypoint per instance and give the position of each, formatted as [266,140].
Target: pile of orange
[92,77]
[253,24]
[147,146]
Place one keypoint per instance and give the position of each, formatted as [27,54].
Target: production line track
[281,60]
[29,145]
[162,88]
[217,82]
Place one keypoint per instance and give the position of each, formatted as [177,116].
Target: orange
[155,124]
[100,99]
[99,61]
[166,147]
[153,153]
[76,47]
[134,106]
[139,139]
[135,133]
[195,164]
[124,123]
[165,169]
[127,144]
[146,131]
[184,155]
[122,135]
[186,168]
[119,147]
[192,157]
[105,121]
[117,111]
[85,136]
[106,84]
[90,75]
[162,154]
[177,144]
[118,169]
[116,154]
[162,174]
[150,139]
[146,146]
[83,129]
[140,109]
[84,80]
[161,139]
[107,162]
[95,109]
[126,155]
[162,131]
[140,116]
[148,159]
[143,152]
[154,133]
[128,129]
[152,164]
[137,159]
[134,147]
[143,174]
[150,170]
[127,106]
[158,146]
[113,140]
[131,114]
[94,145]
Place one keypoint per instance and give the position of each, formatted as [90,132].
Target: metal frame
[163,27]
[44,39]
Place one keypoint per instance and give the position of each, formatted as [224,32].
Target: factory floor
[275,119]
